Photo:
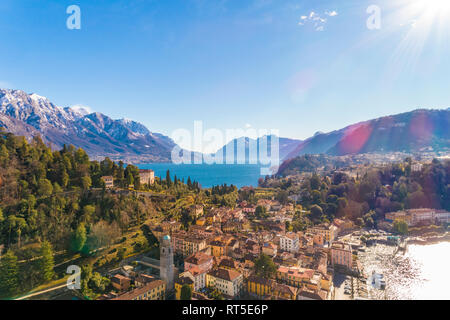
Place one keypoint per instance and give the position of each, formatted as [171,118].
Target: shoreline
[429,240]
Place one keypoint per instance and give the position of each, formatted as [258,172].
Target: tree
[168,179]
[86,182]
[316,212]
[79,238]
[47,262]
[9,274]
[283,197]
[265,267]
[400,226]
[45,188]
[261,212]
[186,292]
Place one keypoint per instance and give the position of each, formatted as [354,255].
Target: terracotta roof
[198,258]
[224,274]
[139,291]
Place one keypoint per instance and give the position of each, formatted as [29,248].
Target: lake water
[209,175]
[421,273]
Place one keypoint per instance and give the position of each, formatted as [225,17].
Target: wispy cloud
[82,109]
[331,13]
[317,20]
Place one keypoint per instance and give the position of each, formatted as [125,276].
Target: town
[136,236]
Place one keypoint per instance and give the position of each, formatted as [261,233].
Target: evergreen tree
[9,274]
[168,179]
[47,262]
[186,292]
[79,238]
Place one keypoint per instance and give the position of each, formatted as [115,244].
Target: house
[120,282]
[341,254]
[196,211]
[283,291]
[184,279]
[289,242]
[146,176]
[109,181]
[228,264]
[269,249]
[186,244]
[228,282]
[155,290]
[329,231]
[200,260]
[311,294]
[259,286]
[143,279]
[218,248]
[299,277]
[199,277]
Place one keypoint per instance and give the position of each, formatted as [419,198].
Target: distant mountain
[415,131]
[99,135]
[245,149]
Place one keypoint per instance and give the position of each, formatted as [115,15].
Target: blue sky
[230,63]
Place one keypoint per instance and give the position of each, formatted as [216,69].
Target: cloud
[82,109]
[318,21]
[331,13]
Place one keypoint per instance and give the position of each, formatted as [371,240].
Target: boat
[376,280]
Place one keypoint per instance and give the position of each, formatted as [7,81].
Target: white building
[289,242]
[228,282]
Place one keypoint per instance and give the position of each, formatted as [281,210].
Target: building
[228,282]
[299,277]
[328,231]
[218,248]
[200,260]
[416,167]
[289,242]
[196,211]
[341,254]
[155,290]
[259,287]
[184,279]
[146,176]
[228,264]
[417,217]
[284,292]
[109,181]
[120,282]
[166,262]
[186,244]
[311,294]
[269,249]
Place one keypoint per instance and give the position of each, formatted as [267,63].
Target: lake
[419,274]
[209,175]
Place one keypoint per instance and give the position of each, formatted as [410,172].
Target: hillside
[415,131]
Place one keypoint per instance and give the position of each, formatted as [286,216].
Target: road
[42,292]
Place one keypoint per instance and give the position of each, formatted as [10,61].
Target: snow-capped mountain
[30,115]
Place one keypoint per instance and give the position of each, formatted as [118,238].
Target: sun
[426,11]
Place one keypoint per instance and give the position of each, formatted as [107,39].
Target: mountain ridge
[99,135]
